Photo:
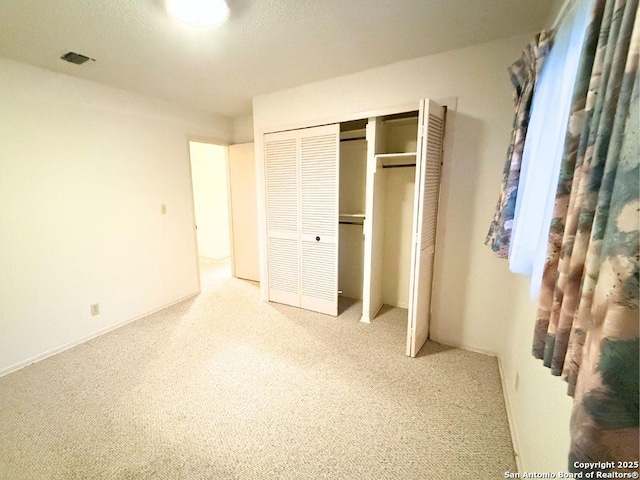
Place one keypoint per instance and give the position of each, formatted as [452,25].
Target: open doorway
[209,176]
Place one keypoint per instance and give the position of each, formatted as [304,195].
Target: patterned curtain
[588,319]
[524,74]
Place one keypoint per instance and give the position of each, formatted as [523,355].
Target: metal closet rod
[401,165]
[350,223]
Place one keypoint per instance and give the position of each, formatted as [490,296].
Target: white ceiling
[266,45]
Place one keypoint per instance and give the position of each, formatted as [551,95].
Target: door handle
[317,239]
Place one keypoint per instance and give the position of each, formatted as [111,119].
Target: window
[544,146]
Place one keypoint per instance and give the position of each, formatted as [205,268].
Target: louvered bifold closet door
[319,171]
[281,152]
[428,166]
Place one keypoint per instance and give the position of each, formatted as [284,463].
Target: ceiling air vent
[77,58]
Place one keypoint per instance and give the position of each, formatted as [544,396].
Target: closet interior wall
[353,173]
[399,138]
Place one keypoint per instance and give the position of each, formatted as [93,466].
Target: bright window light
[544,147]
[199,13]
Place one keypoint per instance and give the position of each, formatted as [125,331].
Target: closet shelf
[396,156]
[391,160]
[359,134]
[351,218]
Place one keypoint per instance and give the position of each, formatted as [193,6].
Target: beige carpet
[224,386]
[213,273]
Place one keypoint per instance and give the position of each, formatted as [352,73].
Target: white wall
[539,402]
[242,129]
[210,196]
[557,8]
[398,225]
[477,303]
[85,169]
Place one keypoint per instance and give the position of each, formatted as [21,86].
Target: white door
[319,187]
[302,171]
[244,211]
[430,139]
[283,246]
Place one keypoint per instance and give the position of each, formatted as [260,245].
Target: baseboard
[368,320]
[66,346]
[510,417]
[464,347]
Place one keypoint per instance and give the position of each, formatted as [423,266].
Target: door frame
[220,143]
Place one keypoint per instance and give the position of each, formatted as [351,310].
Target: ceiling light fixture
[199,13]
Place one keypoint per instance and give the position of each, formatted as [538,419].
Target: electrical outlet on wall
[95,309]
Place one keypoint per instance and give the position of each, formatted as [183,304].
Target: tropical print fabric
[588,319]
[524,74]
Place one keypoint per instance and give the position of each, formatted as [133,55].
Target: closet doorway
[210,182]
[351,211]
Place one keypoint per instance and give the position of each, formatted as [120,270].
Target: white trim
[364,319]
[416,233]
[193,216]
[208,140]
[298,161]
[379,112]
[466,347]
[510,417]
[232,251]
[67,346]
[261,200]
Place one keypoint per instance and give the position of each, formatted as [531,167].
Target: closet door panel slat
[282,198]
[319,187]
